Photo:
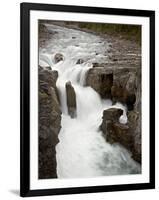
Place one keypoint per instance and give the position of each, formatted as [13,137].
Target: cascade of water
[82,151]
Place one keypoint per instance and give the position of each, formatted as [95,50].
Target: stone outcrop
[58,57]
[118,82]
[101,80]
[115,132]
[71,99]
[49,122]
[124,86]
[112,114]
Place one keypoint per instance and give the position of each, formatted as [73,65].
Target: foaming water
[82,151]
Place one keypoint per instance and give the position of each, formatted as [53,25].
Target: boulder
[58,57]
[110,115]
[71,99]
[49,123]
[80,61]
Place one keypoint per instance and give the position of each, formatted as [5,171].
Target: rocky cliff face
[118,82]
[49,122]
[125,134]
[100,78]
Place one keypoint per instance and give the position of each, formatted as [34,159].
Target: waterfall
[82,151]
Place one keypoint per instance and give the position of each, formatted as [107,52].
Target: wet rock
[130,101]
[106,82]
[112,115]
[48,76]
[115,81]
[48,68]
[71,99]
[122,95]
[128,135]
[118,94]
[49,122]
[124,87]
[58,57]
[101,81]
[134,122]
[80,61]
[119,133]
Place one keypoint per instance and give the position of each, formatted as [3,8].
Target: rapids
[82,151]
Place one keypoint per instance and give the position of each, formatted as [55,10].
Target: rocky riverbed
[116,75]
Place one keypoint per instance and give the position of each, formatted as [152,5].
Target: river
[82,151]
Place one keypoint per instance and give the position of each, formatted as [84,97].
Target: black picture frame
[25,9]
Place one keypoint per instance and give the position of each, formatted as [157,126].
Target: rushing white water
[82,151]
